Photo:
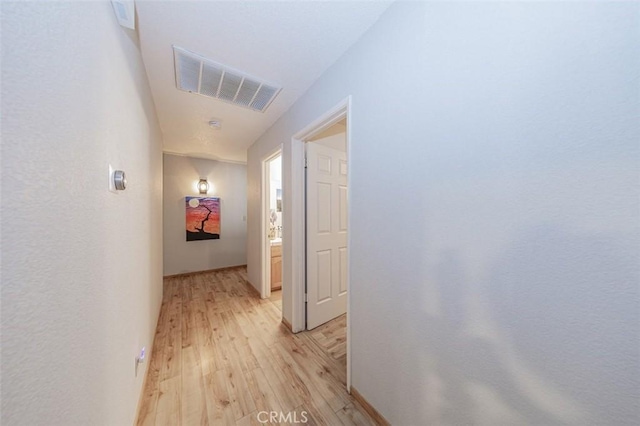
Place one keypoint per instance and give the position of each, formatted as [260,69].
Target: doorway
[297,264]
[271,224]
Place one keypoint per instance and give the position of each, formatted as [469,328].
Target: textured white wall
[229,182]
[495,160]
[81,266]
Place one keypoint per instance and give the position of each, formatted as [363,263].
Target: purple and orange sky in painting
[195,215]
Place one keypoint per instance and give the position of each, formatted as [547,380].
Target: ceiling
[287,43]
[339,127]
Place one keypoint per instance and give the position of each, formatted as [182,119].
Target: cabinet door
[276,273]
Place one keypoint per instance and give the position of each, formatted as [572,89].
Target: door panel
[343,208]
[326,234]
[323,207]
[324,275]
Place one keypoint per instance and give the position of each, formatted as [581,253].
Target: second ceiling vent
[196,74]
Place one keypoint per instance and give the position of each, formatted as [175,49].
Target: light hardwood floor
[221,356]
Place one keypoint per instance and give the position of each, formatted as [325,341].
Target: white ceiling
[286,43]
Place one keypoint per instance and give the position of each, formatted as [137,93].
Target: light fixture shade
[203,186]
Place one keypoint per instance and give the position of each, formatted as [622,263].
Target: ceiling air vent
[196,74]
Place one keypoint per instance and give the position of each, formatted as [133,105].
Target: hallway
[222,356]
[491,206]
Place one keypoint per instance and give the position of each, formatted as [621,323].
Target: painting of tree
[202,218]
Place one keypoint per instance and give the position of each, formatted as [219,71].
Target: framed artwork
[202,218]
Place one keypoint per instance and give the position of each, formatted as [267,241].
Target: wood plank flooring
[221,357]
[332,338]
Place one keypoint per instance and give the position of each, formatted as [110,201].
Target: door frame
[265,244]
[297,180]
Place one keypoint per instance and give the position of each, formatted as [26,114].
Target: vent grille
[196,74]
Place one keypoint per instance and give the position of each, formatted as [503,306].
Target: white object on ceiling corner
[125,13]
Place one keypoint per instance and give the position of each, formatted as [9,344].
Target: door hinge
[306,298]
[306,162]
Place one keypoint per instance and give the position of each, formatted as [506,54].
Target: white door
[326,234]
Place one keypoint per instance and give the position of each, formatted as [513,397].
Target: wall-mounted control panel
[117,180]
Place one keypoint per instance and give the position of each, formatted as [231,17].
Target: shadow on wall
[556,342]
[578,321]
[203,169]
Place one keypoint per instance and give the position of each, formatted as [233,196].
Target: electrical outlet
[140,358]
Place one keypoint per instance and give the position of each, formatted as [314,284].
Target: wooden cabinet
[276,267]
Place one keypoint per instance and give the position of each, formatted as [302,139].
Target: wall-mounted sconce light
[203,186]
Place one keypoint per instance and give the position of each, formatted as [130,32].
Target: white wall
[227,181]
[81,266]
[494,211]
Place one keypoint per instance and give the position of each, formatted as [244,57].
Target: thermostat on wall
[117,180]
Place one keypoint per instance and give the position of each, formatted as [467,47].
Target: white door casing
[326,234]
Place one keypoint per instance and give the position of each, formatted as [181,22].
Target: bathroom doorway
[272,227]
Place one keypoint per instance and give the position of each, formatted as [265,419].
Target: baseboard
[287,324]
[254,290]
[370,409]
[186,274]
